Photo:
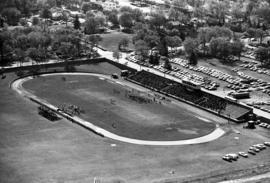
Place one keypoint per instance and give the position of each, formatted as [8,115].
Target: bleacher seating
[200,98]
[151,80]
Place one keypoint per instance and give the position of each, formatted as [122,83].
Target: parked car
[243,154]
[259,146]
[267,143]
[233,156]
[227,158]
[251,152]
[254,149]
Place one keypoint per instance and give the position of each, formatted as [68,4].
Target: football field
[120,107]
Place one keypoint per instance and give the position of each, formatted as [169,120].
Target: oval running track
[17,86]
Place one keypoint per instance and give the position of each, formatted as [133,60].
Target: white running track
[17,86]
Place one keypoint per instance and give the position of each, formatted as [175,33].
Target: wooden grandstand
[215,104]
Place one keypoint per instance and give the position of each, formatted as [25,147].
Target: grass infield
[120,109]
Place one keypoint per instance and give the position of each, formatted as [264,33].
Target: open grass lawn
[35,150]
[108,106]
[110,41]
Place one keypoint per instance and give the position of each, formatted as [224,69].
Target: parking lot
[244,77]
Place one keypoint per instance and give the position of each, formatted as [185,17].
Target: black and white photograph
[134,91]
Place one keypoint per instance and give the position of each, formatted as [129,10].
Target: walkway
[17,86]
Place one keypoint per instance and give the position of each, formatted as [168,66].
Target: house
[108,4]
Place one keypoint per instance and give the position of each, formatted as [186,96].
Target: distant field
[116,108]
[110,41]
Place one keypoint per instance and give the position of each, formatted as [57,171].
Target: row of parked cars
[255,84]
[252,150]
[249,54]
[254,67]
[243,84]
[207,84]
[234,83]
[264,125]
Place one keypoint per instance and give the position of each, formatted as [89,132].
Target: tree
[251,32]
[35,21]
[33,54]
[86,7]
[157,21]
[142,49]
[126,20]
[173,41]
[23,22]
[237,48]
[34,39]
[137,15]
[77,23]
[179,4]
[100,20]
[12,15]
[152,39]
[75,38]
[256,33]
[264,13]
[89,14]
[2,21]
[220,48]
[6,45]
[123,44]
[66,50]
[19,55]
[193,58]
[237,11]
[163,47]
[173,14]
[91,26]
[190,46]
[22,42]
[46,13]
[204,36]
[167,64]
[93,40]
[65,17]
[260,34]
[126,9]
[51,3]
[116,55]
[263,55]
[199,12]
[222,32]
[219,10]
[113,18]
